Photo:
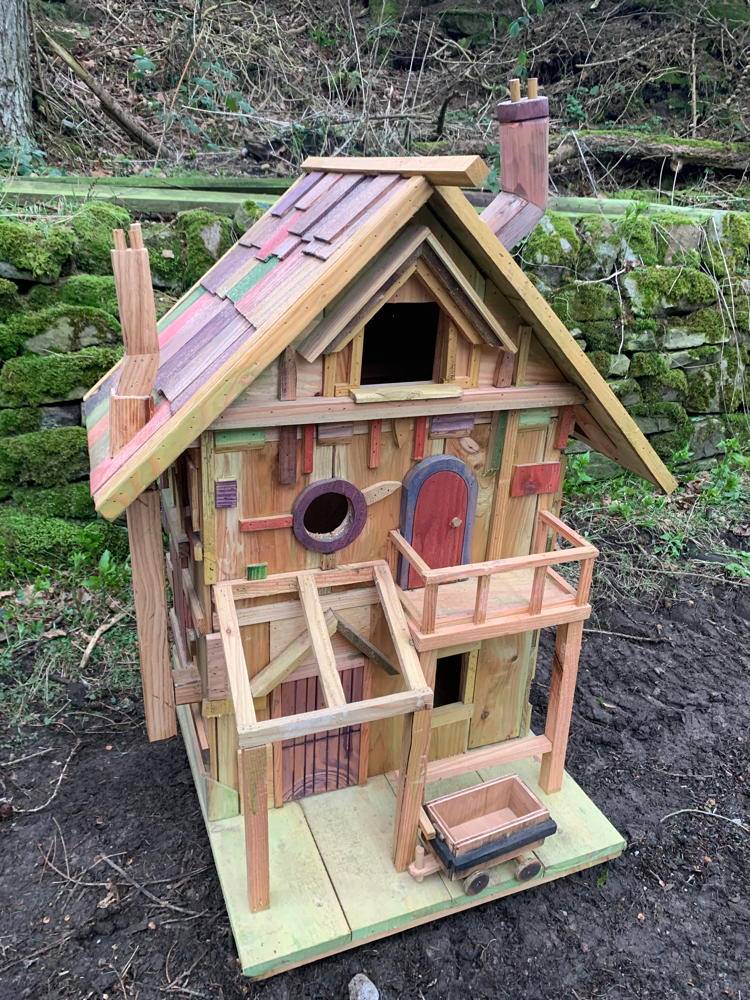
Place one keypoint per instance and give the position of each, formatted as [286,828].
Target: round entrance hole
[329,515]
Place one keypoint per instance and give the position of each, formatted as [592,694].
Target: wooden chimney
[524,135]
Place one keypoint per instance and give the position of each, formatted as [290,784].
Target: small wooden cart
[472,830]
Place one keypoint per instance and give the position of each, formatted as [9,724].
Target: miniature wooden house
[352,432]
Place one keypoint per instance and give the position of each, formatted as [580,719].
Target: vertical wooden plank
[564,428]
[287,455]
[148,573]
[308,447]
[208,510]
[287,371]
[560,705]
[502,487]
[364,738]
[375,433]
[355,369]
[420,438]
[226,746]
[252,770]
[522,355]
[474,363]
[329,374]
[411,779]
[506,363]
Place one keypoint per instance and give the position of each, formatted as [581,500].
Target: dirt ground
[660,742]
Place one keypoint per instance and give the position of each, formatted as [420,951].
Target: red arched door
[437,513]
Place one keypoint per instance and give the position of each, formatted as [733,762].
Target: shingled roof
[269,288]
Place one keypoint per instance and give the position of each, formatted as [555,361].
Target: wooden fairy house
[351,432]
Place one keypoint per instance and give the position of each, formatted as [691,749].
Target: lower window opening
[448,672]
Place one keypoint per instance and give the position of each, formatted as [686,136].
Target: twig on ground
[628,635]
[705,812]
[28,756]
[144,892]
[56,789]
[104,627]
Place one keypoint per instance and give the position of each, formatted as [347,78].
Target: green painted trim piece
[495,451]
[179,307]
[534,418]
[182,182]
[257,571]
[253,276]
[222,801]
[239,439]
[95,415]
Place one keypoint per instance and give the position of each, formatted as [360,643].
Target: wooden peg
[136,236]
[515,89]
[119,238]
[532,88]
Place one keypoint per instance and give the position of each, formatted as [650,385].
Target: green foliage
[22,420]
[71,501]
[57,328]
[31,380]
[94,290]
[44,458]
[10,300]
[22,160]
[93,225]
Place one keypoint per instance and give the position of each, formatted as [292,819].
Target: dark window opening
[326,513]
[400,342]
[448,680]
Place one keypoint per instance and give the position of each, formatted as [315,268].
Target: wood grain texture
[253,797]
[560,703]
[462,171]
[533,478]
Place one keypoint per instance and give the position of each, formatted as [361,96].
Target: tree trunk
[15,73]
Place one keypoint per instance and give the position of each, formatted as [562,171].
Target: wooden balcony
[502,596]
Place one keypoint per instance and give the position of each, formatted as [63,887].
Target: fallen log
[699,152]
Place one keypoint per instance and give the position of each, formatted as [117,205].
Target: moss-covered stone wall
[59,333]
[660,301]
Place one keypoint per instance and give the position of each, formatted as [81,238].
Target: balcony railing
[485,604]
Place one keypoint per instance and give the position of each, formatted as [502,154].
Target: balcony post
[483,593]
[429,607]
[560,704]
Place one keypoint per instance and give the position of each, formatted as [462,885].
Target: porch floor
[333,885]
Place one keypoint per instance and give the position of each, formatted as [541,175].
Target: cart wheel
[475,883]
[527,867]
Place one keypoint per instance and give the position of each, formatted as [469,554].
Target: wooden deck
[333,884]
[507,608]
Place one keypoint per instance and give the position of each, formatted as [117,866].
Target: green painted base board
[333,885]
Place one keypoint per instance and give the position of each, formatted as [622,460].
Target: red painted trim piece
[528,480]
[376,431]
[420,438]
[308,447]
[566,418]
[270,523]
[523,110]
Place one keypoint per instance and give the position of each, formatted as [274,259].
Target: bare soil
[660,742]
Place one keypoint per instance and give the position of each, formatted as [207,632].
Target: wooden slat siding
[286,274]
[477,238]
[208,511]
[504,368]
[367,194]
[147,562]
[216,362]
[373,452]
[501,210]
[462,171]
[128,477]
[308,448]
[105,469]
[366,285]
[286,246]
[289,198]
[312,195]
[453,424]
[173,314]
[225,494]
[566,418]
[287,456]
[410,790]
[334,196]
[287,374]
[335,433]
[237,258]
[279,237]
[520,225]
[317,627]
[420,438]
[206,361]
[271,522]
[189,324]
[560,704]
[534,478]
[251,768]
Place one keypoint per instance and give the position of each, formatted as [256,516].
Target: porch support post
[148,572]
[412,773]
[560,704]
[252,766]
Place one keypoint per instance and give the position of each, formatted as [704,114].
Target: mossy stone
[553,242]
[641,335]
[10,300]
[63,328]
[41,296]
[206,236]
[54,378]
[588,302]
[727,248]
[680,239]
[610,365]
[94,290]
[93,225]
[601,336]
[705,326]
[597,253]
[649,363]
[71,501]
[664,387]
[44,458]
[246,214]
[165,254]
[627,390]
[720,387]
[637,239]
[660,291]
[658,418]
[20,420]
[30,543]
[34,251]
[708,434]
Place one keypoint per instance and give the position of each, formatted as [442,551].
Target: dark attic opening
[326,513]
[448,679]
[400,342]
